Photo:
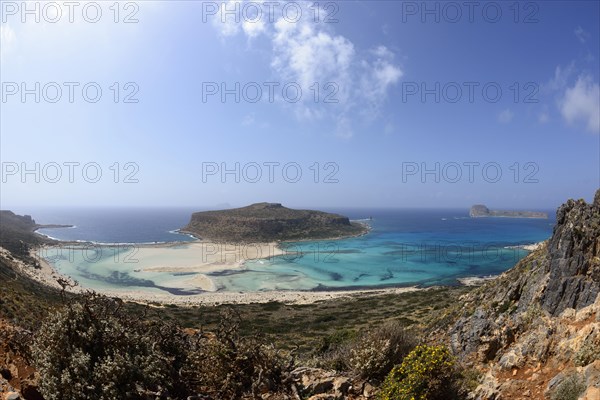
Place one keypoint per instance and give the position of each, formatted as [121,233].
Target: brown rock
[591,393]
[369,391]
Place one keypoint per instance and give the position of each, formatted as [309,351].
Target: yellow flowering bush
[426,373]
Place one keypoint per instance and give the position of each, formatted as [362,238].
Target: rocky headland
[270,222]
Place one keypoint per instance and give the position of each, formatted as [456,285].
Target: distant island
[479,210]
[268,222]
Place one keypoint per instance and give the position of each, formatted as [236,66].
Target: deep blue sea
[404,247]
[116,225]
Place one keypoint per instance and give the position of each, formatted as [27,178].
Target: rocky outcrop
[320,384]
[479,210]
[574,257]
[17,378]
[268,222]
[17,233]
[539,318]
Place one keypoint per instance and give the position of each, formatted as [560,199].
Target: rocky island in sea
[270,222]
[479,210]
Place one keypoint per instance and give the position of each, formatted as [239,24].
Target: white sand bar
[48,275]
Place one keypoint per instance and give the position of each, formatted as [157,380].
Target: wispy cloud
[248,120]
[314,56]
[505,116]
[306,54]
[380,74]
[582,35]
[7,40]
[561,77]
[581,103]
[225,20]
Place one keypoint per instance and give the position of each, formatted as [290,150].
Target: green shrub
[588,353]
[333,351]
[93,349]
[569,389]
[228,366]
[375,353]
[426,373]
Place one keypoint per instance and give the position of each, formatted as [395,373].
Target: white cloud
[582,103]
[581,34]
[253,28]
[248,120]
[383,52]
[380,75]
[227,19]
[307,55]
[505,116]
[561,77]
[7,39]
[312,55]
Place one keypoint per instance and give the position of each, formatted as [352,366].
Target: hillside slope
[17,234]
[535,331]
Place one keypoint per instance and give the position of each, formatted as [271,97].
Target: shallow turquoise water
[404,247]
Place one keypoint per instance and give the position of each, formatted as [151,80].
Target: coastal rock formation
[479,210]
[17,233]
[543,312]
[267,222]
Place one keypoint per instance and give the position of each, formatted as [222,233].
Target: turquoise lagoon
[404,248]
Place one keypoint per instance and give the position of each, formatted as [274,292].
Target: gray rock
[573,250]
[563,274]
[554,382]
[592,374]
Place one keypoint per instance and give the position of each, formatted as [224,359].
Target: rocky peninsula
[270,222]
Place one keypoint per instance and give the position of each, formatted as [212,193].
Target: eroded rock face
[540,312]
[322,384]
[574,263]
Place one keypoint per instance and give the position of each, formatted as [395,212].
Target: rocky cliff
[267,222]
[536,328]
[17,233]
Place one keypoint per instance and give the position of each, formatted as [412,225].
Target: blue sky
[500,103]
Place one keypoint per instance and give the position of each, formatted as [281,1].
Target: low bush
[426,373]
[588,353]
[228,366]
[93,349]
[569,389]
[374,354]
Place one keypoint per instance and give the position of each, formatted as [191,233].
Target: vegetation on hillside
[269,222]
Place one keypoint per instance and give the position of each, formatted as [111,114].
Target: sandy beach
[193,261]
[222,257]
